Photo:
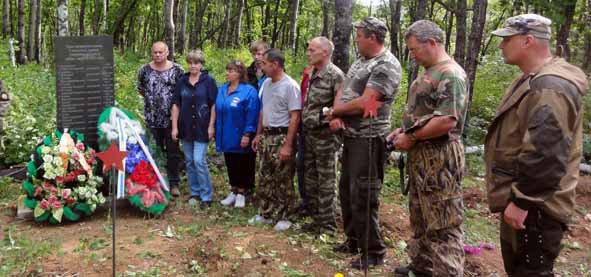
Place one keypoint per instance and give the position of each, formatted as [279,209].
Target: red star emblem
[371,107]
[112,157]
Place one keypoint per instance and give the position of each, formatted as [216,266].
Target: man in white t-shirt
[275,142]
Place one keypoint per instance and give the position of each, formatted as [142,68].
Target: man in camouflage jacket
[320,143]
[533,148]
[433,122]
[375,75]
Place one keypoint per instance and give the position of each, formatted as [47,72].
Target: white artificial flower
[47,158]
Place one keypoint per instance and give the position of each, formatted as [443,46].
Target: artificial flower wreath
[61,180]
[142,182]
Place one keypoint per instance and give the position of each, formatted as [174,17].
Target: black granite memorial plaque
[84,73]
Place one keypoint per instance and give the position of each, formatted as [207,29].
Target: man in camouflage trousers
[433,122]
[533,148]
[320,143]
[278,123]
[375,75]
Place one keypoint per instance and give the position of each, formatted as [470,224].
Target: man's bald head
[159,52]
[323,43]
[319,51]
[160,45]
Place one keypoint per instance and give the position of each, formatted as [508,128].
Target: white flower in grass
[81,178]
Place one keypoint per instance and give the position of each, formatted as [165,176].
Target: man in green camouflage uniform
[533,148]
[320,143]
[278,122]
[433,122]
[375,75]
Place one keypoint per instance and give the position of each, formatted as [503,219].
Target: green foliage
[32,111]
[9,190]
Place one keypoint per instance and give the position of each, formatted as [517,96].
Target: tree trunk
[200,12]
[275,34]
[238,24]
[248,22]
[13,18]
[342,33]
[496,25]
[475,41]
[130,36]
[192,34]
[448,27]
[96,18]
[6,30]
[105,14]
[62,18]
[293,23]
[421,10]
[20,34]
[169,27]
[223,39]
[587,37]
[39,32]
[419,14]
[82,15]
[460,51]
[119,24]
[182,27]
[32,28]
[266,20]
[568,12]
[325,18]
[395,6]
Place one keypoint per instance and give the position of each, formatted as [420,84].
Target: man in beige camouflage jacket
[533,148]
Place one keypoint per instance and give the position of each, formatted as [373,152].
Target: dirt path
[219,242]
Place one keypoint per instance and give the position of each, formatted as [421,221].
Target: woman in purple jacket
[237,112]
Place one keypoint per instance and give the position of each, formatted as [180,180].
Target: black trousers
[241,167]
[356,185]
[532,252]
[173,154]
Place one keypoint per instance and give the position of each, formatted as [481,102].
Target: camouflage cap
[373,24]
[533,24]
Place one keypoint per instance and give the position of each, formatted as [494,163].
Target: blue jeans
[197,170]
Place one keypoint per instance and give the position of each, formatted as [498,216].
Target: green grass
[18,254]
[478,228]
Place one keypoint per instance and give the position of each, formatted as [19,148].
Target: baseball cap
[373,24]
[533,24]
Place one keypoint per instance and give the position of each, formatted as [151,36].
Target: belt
[275,130]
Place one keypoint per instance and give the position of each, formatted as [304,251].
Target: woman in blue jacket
[237,112]
[192,122]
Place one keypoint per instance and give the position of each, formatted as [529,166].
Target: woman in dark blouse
[192,123]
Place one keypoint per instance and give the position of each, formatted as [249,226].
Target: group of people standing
[533,146]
